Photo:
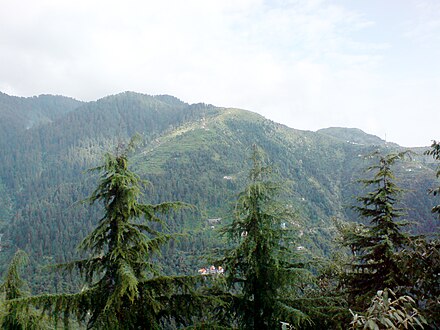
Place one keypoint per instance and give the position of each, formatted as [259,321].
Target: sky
[309,64]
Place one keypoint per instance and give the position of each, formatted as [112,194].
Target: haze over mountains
[196,153]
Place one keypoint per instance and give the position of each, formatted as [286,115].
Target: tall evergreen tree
[11,318]
[259,268]
[376,246]
[124,288]
[423,261]
[435,153]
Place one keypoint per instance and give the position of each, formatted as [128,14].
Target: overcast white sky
[310,64]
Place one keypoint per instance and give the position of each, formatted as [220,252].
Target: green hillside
[352,135]
[195,153]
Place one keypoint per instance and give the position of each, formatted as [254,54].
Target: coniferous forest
[145,212]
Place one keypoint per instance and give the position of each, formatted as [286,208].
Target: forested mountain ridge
[353,135]
[196,153]
[19,113]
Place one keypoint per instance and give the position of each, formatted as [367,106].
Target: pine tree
[376,246]
[259,269]
[435,153]
[124,288]
[423,262]
[12,287]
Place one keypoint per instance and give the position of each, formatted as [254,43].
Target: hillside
[19,113]
[196,153]
[352,135]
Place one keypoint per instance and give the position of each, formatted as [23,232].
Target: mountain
[353,136]
[196,153]
[19,113]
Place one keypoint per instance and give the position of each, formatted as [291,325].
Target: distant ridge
[353,135]
[196,153]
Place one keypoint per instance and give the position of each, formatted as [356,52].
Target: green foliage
[376,259]
[422,262]
[435,153]
[388,311]
[12,285]
[259,268]
[123,288]
[11,318]
[352,135]
[387,257]
[193,153]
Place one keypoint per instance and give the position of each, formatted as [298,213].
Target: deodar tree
[12,318]
[123,287]
[376,246]
[261,270]
[435,153]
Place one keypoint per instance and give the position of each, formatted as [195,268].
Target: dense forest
[209,218]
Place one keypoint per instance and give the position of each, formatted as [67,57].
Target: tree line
[381,277]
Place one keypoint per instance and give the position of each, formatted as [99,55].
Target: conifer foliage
[121,248]
[259,268]
[12,287]
[435,153]
[376,246]
[124,289]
